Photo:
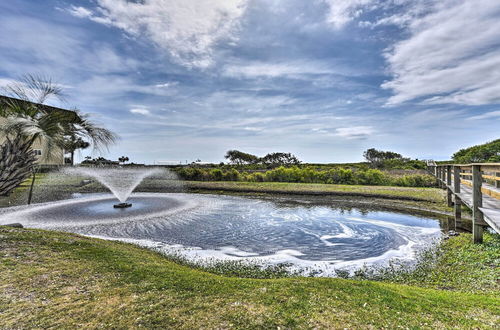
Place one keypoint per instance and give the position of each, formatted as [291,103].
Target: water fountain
[121,182]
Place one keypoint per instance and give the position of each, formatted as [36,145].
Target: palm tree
[27,120]
[72,144]
[123,159]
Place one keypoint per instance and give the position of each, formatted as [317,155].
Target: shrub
[483,153]
[216,175]
[370,177]
[256,177]
[338,176]
[231,175]
[414,180]
[308,174]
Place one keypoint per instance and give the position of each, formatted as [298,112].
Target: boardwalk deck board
[489,193]
[490,209]
[492,217]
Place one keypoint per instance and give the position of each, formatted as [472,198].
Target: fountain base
[122,205]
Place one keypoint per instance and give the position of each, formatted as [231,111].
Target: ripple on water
[231,228]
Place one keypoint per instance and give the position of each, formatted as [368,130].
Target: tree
[483,153]
[27,120]
[280,159]
[99,161]
[377,157]
[16,159]
[239,158]
[123,159]
[72,144]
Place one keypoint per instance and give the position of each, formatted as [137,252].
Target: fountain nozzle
[122,205]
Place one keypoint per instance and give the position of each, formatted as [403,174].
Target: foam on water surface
[207,227]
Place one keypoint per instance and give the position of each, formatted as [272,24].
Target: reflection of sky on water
[236,226]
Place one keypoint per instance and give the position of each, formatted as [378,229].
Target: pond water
[318,237]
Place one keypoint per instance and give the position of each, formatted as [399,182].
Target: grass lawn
[418,200]
[50,279]
[417,194]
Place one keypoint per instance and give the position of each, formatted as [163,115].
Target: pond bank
[51,279]
[421,201]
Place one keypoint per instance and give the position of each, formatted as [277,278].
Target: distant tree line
[391,160]
[274,159]
[483,153]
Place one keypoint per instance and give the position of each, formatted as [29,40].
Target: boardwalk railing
[476,186]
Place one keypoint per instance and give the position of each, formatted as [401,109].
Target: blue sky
[323,79]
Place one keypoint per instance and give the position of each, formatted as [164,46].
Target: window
[38,152]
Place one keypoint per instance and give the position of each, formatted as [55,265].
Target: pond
[310,235]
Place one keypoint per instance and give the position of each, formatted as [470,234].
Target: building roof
[5,100]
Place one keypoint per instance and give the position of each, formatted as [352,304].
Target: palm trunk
[31,187]
[16,163]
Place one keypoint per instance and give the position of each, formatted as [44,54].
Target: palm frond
[35,88]
[100,138]
[22,126]
[29,118]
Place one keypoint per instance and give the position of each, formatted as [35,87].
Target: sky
[181,80]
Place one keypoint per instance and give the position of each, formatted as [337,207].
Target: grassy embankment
[405,193]
[421,199]
[50,279]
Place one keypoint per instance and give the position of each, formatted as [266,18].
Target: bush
[309,174]
[370,177]
[403,164]
[216,175]
[231,175]
[339,176]
[415,180]
[483,153]
[256,177]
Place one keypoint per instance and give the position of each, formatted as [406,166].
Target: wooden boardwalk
[476,186]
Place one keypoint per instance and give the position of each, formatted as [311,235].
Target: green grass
[418,200]
[50,279]
[454,264]
[418,194]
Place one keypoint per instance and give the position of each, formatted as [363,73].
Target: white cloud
[81,12]
[167,84]
[187,30]
[487,115]
[401,12]
[109,86]
[451,56]
[140,111]
[354,132]
[343,11]
[4,82]
[273,70]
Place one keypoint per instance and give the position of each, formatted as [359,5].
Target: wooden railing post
[448,185]
[456,190]
[477,202]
